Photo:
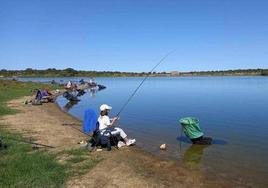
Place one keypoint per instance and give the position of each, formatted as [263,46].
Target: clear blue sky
[132,35]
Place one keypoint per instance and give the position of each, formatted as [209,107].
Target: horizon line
[238,69]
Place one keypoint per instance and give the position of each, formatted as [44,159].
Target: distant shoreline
[69,72]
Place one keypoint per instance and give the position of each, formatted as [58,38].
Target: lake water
[232,110]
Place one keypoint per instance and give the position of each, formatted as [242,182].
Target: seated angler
[106,125]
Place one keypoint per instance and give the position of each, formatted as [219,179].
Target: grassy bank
[23,167]
[20,165]
[14,89]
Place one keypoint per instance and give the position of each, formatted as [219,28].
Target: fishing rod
[145,78]
[72,125]
[28,142]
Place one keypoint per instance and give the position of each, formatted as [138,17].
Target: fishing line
[145,78]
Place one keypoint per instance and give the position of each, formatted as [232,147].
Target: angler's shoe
[130,142]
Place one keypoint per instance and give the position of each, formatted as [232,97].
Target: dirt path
[43,123]
[127,167]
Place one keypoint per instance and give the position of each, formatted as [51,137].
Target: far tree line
[69,72]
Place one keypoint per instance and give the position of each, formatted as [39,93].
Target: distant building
[174,73]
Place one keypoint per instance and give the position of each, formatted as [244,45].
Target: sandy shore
[127,167]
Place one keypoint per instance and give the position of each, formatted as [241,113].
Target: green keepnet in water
[191,127]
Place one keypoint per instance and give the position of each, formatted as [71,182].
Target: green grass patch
[14,89]
[87,165]
[79,161]
[23,167]
[76,159]
[75,151]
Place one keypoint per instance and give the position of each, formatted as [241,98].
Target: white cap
[105,107]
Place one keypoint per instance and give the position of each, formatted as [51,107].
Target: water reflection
[73,97]
[95,89]
[92,92]
[193,155]
[69,105]
[80,92]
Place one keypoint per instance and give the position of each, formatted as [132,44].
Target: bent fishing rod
[144,79]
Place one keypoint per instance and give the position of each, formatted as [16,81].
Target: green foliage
[238,72]
[70,72]
[264,72]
